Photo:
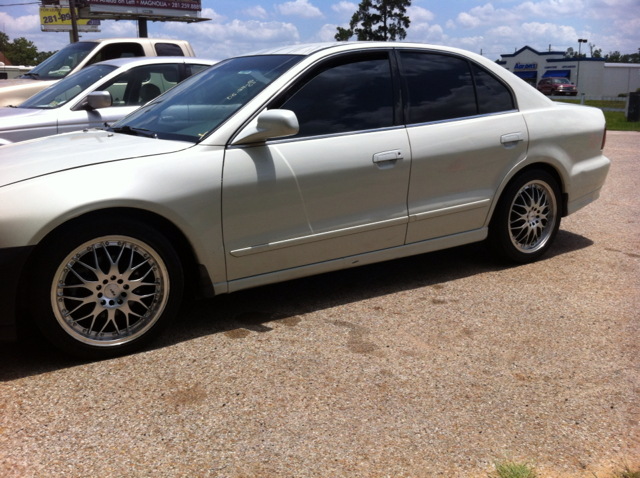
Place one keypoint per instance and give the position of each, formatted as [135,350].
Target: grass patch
[617,122]
[596,103]
[626,472]
[508,468]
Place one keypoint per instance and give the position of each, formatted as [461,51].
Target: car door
[337,188]
[129,91]
[465,134]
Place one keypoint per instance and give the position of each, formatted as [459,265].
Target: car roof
[131,39]
[150,60]
[307,49]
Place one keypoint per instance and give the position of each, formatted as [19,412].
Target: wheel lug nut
[120,281]
[120,301]
[99,287]
[100,295]
[113,277]
[126,287]
[102,302]
[110,302]
[124,294]
[105,281]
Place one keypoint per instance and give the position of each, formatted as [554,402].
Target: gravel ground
[429,366]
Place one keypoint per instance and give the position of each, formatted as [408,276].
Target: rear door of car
[337,188]
[465,133]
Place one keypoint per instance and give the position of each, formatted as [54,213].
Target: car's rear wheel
[527,218]
[103,289]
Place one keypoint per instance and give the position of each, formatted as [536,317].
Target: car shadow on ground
[253,309]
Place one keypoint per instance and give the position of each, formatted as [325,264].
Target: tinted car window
[353,96]
[193,69]
[438,87]
[142,84]
[63,62]
[493,95]
[65,90]
[118,50]
[201,103]
[168,49]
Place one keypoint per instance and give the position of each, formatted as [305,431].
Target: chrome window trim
[462,118]
[322,136]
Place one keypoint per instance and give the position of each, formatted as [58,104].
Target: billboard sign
[58,19]
[189,5]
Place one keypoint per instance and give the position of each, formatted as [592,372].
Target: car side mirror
[269,124]
[98,99]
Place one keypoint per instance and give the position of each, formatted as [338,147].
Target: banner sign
[191,5]
[54,19]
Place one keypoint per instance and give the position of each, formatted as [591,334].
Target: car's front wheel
[102,289]
[527,217]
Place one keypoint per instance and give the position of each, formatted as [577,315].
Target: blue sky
[499,26]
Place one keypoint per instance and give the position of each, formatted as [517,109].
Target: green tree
[377,20]
[21,52]
[571,53]
[43,55]
[616,57]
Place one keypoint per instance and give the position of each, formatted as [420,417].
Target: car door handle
[385,156]
[511,138]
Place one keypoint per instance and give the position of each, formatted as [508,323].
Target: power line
[19,4]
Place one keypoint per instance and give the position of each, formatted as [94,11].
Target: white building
[592,76]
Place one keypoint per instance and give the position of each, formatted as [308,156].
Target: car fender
[551,138]
[184,187]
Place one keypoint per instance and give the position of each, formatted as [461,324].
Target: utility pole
[74,22]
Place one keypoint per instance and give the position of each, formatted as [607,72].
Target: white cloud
[326,33]
[111,29]
[213,15]
[344,8]
[451,24]
[419,15]
[222,40]
[300,8]
[256,12]
[427,34]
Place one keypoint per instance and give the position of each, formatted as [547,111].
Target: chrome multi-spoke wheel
[527,217]
[105,288]
[110,291]
[532,216]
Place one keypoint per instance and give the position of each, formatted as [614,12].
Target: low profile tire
[105,288]
[527,218]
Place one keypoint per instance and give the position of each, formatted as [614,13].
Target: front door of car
[129,91]
[337,188]
[465,134]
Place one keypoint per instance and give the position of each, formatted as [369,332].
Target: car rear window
[168,49]
[443,87]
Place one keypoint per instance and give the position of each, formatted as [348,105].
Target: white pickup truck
[76,56]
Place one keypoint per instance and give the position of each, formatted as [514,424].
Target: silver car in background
[104,92]
[277,165]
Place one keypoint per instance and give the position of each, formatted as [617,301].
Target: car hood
[38,157]
[17,82]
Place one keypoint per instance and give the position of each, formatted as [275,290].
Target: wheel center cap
[111,291]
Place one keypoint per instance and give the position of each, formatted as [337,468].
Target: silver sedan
[104,92]
[278,165]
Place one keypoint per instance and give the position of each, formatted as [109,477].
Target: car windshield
[197,106]
[64,91]
[61,63]
[562,81]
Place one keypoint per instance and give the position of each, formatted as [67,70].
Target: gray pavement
[428,366]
